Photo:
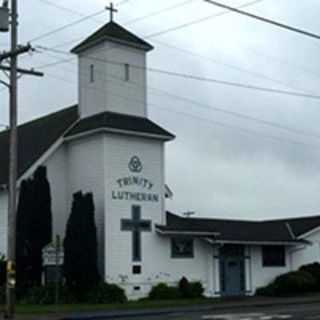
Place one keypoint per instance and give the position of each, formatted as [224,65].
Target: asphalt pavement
[299,312]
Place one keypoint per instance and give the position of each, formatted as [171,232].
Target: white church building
[107,145]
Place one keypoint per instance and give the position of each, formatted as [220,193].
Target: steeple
[112,71]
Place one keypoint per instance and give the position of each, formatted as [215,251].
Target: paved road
[301,312]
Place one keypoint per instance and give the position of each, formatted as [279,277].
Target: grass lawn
[50,309]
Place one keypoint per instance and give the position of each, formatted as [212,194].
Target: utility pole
[13,166]
[13,150]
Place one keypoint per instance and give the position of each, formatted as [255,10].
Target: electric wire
[212,108]
[209,121]
[50,33]
[263,19]
[197,78]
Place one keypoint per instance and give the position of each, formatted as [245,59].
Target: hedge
[292,283]
[184,290]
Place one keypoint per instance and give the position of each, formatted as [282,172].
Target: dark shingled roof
[301,225]
[35,138]
[115,33]
[118,121]
[241,230]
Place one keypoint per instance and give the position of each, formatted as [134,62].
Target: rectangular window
[273,256]
[91,73]
[126,72]
[182,248]
[136,269]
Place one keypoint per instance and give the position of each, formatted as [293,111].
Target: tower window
[91,73]
[126,72]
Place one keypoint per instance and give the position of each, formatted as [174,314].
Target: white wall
[305,254]
[157,265]
[110,91]
[85,172]
[3,221]
[56,169]
[261,276]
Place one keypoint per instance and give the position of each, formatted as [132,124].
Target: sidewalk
[219,305]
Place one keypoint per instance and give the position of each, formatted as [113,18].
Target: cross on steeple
[112,10]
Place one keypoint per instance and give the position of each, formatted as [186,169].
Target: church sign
[135,166]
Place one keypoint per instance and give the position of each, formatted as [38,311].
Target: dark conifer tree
[41,221]
[80,245]
[34,227]
[23,245]
[91,240]
[42,206]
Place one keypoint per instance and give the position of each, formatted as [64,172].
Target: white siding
[260,275]
[305,254]
[157,265]
[85,172]
[110,91]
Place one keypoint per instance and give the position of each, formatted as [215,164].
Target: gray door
[232,270]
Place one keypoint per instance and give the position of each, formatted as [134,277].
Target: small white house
[107,145]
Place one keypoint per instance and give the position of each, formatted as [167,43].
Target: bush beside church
[305,280]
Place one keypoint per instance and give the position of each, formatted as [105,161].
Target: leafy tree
[80,245]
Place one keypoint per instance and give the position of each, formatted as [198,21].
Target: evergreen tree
[40,222]
[80,245]
[23,238]
[34,227]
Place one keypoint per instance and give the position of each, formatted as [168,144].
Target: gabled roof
[34,139]
[37,136]
[115,33]
[235,231]
[112,121]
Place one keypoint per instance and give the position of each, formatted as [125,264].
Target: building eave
[118,131]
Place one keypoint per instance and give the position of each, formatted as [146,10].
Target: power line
[224,64]
[60,7]
[158,12]
[263,19]
[156,34]
[188,24]
[211,108]
[212,122]
[198,78]
[47,34]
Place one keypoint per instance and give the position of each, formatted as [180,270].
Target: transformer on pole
[4,17]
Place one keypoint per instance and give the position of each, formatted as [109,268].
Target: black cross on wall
[136,225]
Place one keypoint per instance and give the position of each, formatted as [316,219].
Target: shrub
[45,295]
[291,283]
[184,287]
[314,270]
[3,272]
[196,289]
[2,294]
[106,293]
[163,292]
[190,290]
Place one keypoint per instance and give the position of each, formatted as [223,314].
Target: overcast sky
[220,165]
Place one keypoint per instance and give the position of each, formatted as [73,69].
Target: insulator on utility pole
[4,17]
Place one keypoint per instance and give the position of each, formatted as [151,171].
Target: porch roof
[231,231]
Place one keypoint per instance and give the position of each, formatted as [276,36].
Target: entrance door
[232,270]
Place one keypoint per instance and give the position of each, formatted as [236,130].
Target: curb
[193,309]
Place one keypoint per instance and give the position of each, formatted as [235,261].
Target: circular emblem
[135,164]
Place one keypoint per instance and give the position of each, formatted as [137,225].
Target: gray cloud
[213,169]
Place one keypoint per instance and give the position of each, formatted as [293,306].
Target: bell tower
[112,71]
